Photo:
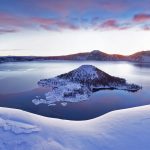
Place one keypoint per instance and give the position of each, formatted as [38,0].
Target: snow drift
[118,130]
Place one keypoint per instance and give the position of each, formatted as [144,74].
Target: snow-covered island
[127,129]
[78,85]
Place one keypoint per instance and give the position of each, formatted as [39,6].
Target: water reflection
[18,79]
[142,65]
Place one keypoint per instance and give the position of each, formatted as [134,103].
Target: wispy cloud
[112,24]
[141,17]
[59,15]
[2,31]
[7,19]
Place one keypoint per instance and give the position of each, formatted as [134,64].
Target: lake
[18,86]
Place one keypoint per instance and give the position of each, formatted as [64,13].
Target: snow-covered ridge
[78,85]
[127,129]
[140,57]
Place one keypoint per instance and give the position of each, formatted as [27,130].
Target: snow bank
[119,130]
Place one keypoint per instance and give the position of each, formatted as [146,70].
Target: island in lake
[79,84]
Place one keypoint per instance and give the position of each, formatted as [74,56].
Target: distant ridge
[143,56]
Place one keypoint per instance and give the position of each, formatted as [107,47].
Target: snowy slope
[119,130]
[89,76]
[141,57]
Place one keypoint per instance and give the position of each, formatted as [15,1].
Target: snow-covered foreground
[119,130]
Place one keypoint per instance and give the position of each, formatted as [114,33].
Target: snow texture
[127,129]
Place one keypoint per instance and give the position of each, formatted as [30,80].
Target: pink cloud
[112,24]
[49,24]
[10,20]
[65,25]
[109,24]
[65,6]
[113,6]
[141,17]
[42,21]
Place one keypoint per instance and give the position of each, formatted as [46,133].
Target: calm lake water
[18,86]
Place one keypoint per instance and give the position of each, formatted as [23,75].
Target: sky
[60,27]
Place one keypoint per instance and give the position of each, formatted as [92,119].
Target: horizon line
[70,54]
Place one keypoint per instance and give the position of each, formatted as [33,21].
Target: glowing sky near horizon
[60,27]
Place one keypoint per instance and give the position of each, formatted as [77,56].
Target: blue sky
[52,27]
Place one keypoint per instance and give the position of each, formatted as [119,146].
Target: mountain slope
[143,56]
[93,55]
[97,55]
[88,74]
